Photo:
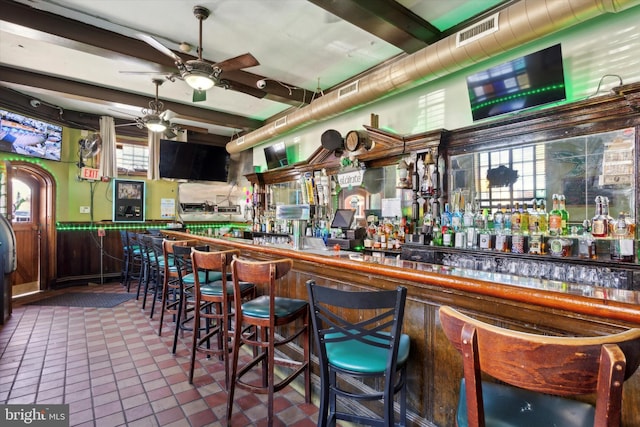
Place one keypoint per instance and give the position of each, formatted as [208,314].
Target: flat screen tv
[29,137]
[193,162]
[276,155]
[525,82]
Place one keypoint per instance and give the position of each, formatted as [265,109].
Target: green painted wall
[72,192]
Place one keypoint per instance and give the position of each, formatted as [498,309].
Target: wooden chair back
[263,274]
[562,366]
[213,261]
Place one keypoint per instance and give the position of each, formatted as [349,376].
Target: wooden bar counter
[435,367]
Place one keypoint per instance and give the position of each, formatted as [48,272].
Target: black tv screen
[343,218]
[525,82]
[276,155]
[29,137]
[194,162]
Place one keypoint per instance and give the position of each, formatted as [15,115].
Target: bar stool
[170,298]
[255,326]
[212,304]
[185,299]
[126,258]
[540,372]
[156,269]
[146,254]
[366,344]
[134,270]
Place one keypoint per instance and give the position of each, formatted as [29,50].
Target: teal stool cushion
[203,277]
[506,406]
[259,307]
[357,356]
[215,288]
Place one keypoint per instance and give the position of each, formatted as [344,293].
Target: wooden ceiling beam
[108,95]
[386,19]
[78,35]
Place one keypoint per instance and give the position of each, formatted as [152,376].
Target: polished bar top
[607,303]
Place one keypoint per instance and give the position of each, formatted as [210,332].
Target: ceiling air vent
[477,31]
[349,89]
[280,122]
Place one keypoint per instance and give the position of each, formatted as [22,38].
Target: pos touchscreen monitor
[343,218]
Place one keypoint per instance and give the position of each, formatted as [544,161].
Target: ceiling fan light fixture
[154,123]
[199,81]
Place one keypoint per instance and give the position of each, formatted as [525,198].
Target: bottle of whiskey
[516,219]
[599,223]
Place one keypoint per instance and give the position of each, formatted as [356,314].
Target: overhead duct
[520,23]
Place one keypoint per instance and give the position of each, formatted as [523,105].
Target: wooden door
[26,226]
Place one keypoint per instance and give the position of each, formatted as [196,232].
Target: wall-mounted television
[276,155]
[193,162]
[29,137]
[525,82]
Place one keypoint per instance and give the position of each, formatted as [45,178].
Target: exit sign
[90,173]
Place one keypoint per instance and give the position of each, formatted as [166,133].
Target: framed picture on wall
[128,201]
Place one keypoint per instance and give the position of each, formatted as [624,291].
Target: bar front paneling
[435,367]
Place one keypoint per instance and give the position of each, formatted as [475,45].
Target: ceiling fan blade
[127,124]
[141,72]
[123,112]
[167,115]
[170,133]
[242,61]
[199,95]
[159,46]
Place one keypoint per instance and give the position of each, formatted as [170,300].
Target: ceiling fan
[202,75]
[155,117]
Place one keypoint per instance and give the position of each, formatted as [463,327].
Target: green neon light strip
[517,95]
[106,227]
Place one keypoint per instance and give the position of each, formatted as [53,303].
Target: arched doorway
[33,220]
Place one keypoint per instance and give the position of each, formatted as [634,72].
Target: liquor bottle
[533,217]
[605,211]
[622,244]
[437,234]
[524,219]
[536,241]
[516,219]
[447,236]
[468,216]
[599,223]
[507,221]
[480,219]
[555,218]
[562,205]
[498,219]
[586,243]
[490,223]
[445,218]
[456,217]
[543,217]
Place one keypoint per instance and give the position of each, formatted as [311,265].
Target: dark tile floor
[112,368]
